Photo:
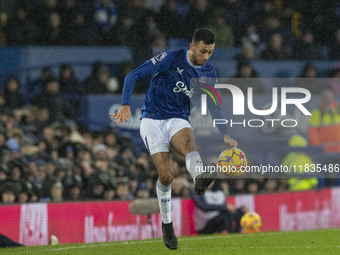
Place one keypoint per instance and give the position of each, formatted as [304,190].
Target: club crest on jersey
[181,87]
[180,71]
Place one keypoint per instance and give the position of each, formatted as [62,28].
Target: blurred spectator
[245,70]
[26,192]
[159,44]
[96,187]
[140,25]
[83,31]
[309,71]
[38,86]
[247,77]
[275,50]
[334,80]
[198,16]
[150,26]
[123,191]
[97,82]
[324,121]
[2,102]
[253,187]
[109,193]
[169,20]
[74,193]
[3,24]
[105,14]
[58,107]
[11,94]
[20,29]
[251,38]
[52,35]
[334,51]
[237,15]
[238,186]
[299,159]
[123,33]
[67,10]
[267,10]
[308,79]
[248,54]
[322,17]
[270,186]
[180,187]
[223,32]
[69,85]
[143,191]
[8,193]
[213,215]
[57,192]
[306,49]
[273,25]
[41,12]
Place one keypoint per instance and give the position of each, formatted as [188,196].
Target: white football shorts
[157,134]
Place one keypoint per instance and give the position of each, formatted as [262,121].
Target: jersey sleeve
[157,64]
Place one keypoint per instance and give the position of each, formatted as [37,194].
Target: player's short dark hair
[205,35]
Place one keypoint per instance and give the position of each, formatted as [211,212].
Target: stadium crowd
[282,29]
[47,156]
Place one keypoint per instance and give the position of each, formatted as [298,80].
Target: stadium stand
[37,154]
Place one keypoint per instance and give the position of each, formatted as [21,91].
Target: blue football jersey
[170,94]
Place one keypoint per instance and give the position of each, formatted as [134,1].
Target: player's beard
[195,60]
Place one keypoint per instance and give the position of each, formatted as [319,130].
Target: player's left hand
[122,115]
[230,141]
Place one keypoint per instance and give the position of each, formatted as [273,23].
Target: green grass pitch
[299,242]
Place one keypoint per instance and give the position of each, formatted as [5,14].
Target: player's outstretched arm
[122,115]
[230,141]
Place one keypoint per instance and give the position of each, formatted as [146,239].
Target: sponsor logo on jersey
[181,87]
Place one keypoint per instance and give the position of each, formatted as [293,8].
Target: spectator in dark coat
[53,34]
[247,77]
[197,16]
[68,82]
[306,49]
[58,107]
[20,29]
[334,51]
[83,31]
[97,82]
[213,215]
[11,94]
[308,79]
[275,50]
[169,19]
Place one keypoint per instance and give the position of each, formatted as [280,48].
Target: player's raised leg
[165,171]
[183,141]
